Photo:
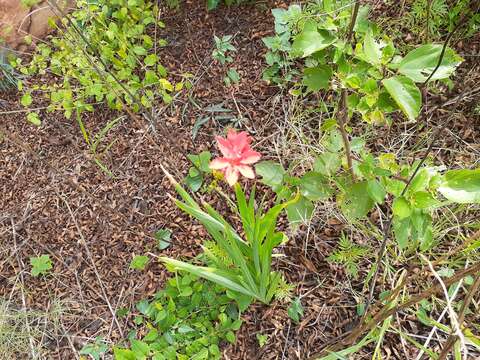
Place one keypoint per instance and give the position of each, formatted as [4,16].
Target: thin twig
[461,317]
[352,336]
[453,316]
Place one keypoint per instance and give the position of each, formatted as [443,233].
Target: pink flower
[237,156]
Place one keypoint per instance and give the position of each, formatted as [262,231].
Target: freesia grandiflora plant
[248,269]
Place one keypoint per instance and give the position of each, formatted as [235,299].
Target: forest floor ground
[55,200]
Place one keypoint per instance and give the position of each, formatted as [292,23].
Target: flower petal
[231,175]
[250,157]
[246,171]
[239,141]
[226,147]
[219,163]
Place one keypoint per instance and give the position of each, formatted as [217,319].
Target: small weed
[95,349]
[348,254]
[262,339]
[41,265]
[295,310]
[139,262]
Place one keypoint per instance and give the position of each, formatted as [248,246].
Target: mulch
[56,201]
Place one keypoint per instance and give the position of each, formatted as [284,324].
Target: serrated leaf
[34,119]
[317,78]
[40,265]
[356,202]
[299,211]
[327,163]
[401,208]
[376,191]
[314,186]
[26,99]
[372,50]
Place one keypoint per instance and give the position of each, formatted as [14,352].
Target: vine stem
[447,40]
[343,107]
[388,226]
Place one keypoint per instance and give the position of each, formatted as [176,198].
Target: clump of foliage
[211,4]
[372,79]
[103,53]
[437,17]
[188,319]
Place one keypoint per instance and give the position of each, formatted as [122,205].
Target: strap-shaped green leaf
[220,277]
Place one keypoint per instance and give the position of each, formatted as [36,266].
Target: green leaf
[34,119]
[201,161]
[295,310]
[194,180]
[233,75]
[40,265]
[418,64]
[402,229]
[217,276]
[26,99]
[317,78]
[139,262]
[461,186]
[406,94]
[376,191]
[272,174]
[327,163]
[314,186]
[139,50]
[371,48]
[299,211]
[140,349]
[95,350]
[212,4]
[163,237]
[311,40]
[123,354]
[424,200]
[356,202]
[401,208]
[150,60]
